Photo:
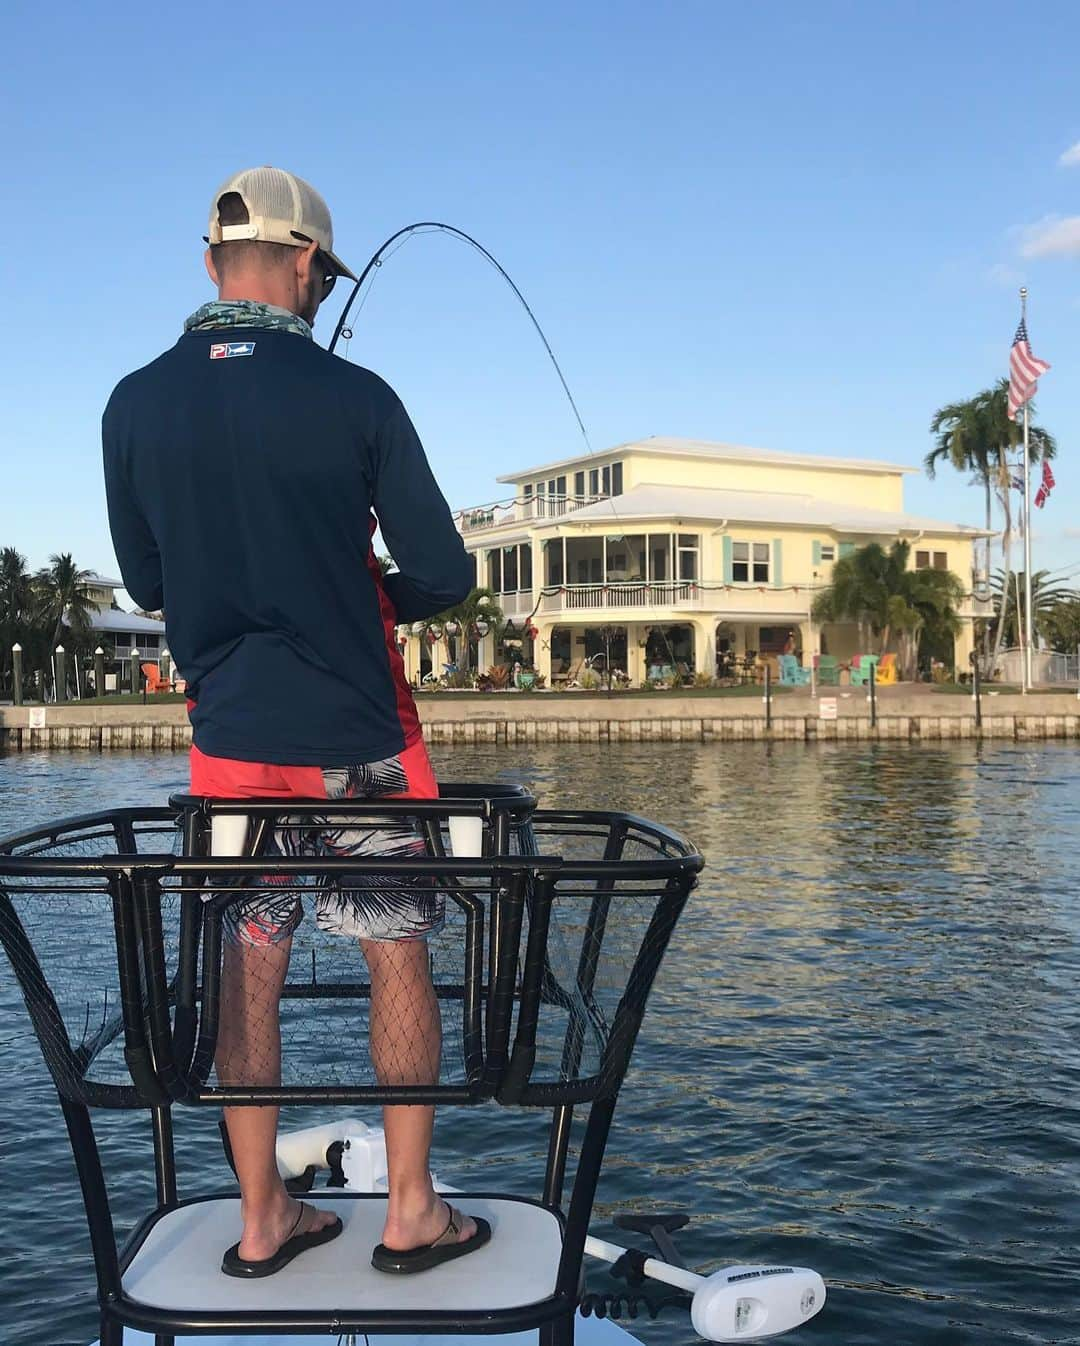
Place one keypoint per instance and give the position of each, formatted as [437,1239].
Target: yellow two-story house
[681,552]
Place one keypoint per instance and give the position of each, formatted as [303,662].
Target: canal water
[861,1054]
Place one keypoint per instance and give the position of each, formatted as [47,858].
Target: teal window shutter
[777,567]
[727,559]
[846,548]
[816,545]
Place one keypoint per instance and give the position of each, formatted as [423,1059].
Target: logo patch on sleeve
[225,350]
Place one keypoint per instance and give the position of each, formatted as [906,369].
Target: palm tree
[977,436]
[1061,625]
[875,588]
[16,601]
[63,600]
[481,605]
[1046,593]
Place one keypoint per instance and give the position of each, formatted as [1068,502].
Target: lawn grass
[124,699]
[574,694]
[996,689]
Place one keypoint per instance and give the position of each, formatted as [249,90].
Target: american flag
[1024,371]
[1045,486]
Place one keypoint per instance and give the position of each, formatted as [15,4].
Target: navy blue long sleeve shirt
[242,496]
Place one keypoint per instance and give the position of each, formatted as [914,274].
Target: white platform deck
[588,1332]
[179,1265]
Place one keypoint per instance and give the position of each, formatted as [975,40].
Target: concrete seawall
[903,715]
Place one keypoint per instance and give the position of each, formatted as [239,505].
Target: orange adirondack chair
[154,681]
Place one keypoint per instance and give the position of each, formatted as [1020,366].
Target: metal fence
[1048,667]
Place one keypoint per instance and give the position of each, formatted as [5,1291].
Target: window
[607,480]
[579,484]
[616,478]
[560,486]
[922,560]
[510,570]
[594,481]
[495,571]
[750,561]
[941,561]
[688,556]
[936,560]
[828,551]
[528,490]
[525,568]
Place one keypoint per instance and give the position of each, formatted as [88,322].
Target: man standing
[246,470]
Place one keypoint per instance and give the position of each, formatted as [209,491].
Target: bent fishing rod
[436,226]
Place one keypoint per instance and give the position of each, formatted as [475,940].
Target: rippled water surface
[861,1054]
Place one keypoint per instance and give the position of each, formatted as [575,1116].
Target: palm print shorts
[380,907]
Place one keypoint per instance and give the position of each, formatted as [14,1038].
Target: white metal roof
[109,619]
[766,507]
[103,581]
[720,453]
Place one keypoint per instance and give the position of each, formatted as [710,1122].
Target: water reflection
[861,1053]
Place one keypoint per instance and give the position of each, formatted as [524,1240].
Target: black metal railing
[121,930]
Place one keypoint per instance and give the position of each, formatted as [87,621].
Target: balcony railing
[525,509]
[636,594]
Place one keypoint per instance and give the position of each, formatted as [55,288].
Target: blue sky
[794,226]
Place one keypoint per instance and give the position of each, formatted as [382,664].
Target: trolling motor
[736,1303]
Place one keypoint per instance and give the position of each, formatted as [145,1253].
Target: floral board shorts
[381,907]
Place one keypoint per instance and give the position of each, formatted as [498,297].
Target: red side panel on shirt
[406,706]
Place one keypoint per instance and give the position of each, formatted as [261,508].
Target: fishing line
[436,226]
[392,245]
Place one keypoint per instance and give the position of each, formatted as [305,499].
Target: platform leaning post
[16,673]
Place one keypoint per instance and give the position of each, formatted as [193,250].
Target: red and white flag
[1045,486]
[1024,371]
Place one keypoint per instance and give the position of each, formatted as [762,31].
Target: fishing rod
[437,226]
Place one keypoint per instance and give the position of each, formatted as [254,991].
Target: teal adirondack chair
[828,670]
[860,669]
[792,673]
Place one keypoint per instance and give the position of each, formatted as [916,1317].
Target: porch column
[542,649]
[410,657]
[704,646]
[811,638]
[635,653]
[963,644]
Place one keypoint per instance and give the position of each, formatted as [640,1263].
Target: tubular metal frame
[168,1044]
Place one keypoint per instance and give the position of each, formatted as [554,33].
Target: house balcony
[636,599]
[518,604]
[621,596]
[525,509]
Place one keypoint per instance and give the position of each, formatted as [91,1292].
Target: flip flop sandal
[445,1248]
[232,1264]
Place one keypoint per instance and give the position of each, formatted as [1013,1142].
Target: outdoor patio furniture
[828,670]
[860,669]
[154,681]
[770,662]
[792,673]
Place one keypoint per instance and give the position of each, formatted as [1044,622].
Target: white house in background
[676,551]
[118,631]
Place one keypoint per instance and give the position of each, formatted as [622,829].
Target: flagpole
[1027,524]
